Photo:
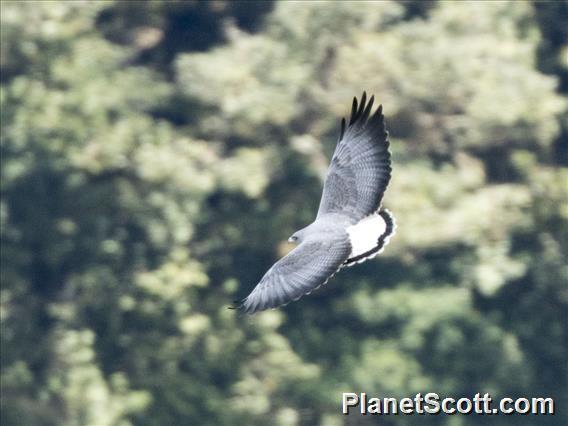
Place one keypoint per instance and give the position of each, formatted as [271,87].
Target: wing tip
[353,111]
[342,129]
[241,307]
[236,305]
[362,112]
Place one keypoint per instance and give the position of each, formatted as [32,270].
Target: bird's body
[323,226]
[350,226]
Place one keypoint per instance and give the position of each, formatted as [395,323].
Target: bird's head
[298,236]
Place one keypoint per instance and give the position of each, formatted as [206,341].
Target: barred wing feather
[360,168]
[300,272]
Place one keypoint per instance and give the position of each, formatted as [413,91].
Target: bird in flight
[350,225]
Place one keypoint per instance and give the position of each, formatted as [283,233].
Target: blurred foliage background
[157,155]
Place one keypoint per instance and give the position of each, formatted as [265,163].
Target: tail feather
[382,240]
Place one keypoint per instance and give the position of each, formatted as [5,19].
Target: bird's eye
[293,239]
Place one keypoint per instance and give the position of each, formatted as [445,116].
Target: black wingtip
[353,111]
[342,129]
[357,108]
[379,111]
[237,304]
[362,115]
[363,102]
[368,109]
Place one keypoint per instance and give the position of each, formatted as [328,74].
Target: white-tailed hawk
[350,226]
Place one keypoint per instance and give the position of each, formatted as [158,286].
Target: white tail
[369,236]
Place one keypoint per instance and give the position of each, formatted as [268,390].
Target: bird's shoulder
[330,224]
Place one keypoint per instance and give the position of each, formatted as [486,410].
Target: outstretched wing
[360,167]
[301,271]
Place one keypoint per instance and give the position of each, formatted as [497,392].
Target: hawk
[350,225]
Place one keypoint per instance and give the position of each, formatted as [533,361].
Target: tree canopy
[156,156]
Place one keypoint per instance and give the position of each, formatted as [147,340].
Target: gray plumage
[360,167]
[356,181]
